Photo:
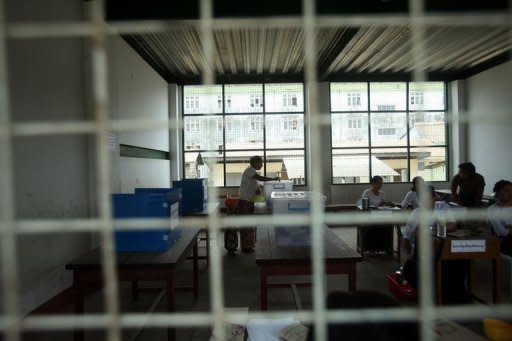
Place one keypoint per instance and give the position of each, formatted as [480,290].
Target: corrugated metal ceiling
[278,52]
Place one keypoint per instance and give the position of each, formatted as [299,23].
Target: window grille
[13,324]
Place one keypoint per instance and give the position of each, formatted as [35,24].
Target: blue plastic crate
[144,205]
[194,194]
[174,198]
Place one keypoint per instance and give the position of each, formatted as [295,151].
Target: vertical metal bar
[317,247]
[416,8]
[408,130]
[208,78]
[369,125]
[7,228]
[100,91]
[225,178]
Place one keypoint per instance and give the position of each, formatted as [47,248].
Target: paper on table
[459,233]
[446,330]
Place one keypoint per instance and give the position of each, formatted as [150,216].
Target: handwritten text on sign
[459,246]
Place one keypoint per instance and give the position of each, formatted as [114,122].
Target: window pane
[202,132]
[390,163]
[389,129]
[427,128]
[287,164]
[426,96]
[243,98]
[387,96]
[285,97]
[200,99]
[430,163]
[236,163]
[204,165]
[284,131]
[349,130]
[349,96]
[350,166]
[244,132]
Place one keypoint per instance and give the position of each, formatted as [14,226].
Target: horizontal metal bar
[130,320]
[26,226]
[81,29]
[32,128]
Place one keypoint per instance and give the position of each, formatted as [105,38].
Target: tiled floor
[241,289]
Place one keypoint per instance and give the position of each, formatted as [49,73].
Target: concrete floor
[241,289]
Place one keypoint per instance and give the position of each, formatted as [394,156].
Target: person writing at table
[467,186]
[414,221]
[375,195]
[411,200]
[502,227]
[454,272]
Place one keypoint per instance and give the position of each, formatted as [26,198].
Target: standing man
[468,186]
[248,189]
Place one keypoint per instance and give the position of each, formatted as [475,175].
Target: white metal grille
[12,323]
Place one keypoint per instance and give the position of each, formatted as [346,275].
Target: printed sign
[461,246]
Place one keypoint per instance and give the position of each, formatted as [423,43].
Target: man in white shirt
[248,189]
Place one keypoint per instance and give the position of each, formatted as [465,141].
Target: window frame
[408,146]
[261,117]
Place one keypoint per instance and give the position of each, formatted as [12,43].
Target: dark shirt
[469,190]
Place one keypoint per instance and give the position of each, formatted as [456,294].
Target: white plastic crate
[277,186]
[292,202]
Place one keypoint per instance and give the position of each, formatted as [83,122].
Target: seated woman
[502,227]
[454,272]
[411,200]
[376,238]
[375,195]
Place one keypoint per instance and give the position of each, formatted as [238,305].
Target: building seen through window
[393,129]
[255,119]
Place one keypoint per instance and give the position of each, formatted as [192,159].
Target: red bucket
[402,291]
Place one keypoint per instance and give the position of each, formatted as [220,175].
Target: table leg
[470,279]
[207,247]
[439,282]
[263,288]
[352,277]
[135,290]
[359,247]
[78,305]
[171,332]
[195,278]
[496,290]
[399,242]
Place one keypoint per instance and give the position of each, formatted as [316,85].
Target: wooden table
[275,260]
[361,229]
[87,271]
[209,209]
[491,251]
[445,194]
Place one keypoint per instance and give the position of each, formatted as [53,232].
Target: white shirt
[500,225]
[414,220]
[248,184]
[374,200]
[410,200]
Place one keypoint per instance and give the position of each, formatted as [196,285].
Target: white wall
[49,79]
[137,92]
[489,136]
[50,172]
